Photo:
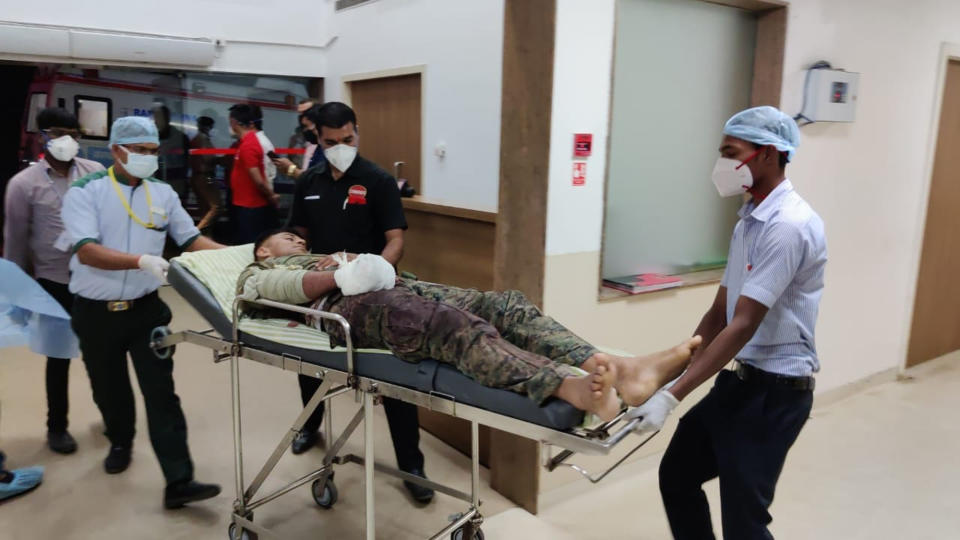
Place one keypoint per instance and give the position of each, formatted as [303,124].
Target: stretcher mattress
[207,280]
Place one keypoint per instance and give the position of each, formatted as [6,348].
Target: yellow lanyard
[116,187]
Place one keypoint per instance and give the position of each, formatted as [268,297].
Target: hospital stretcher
[371,377]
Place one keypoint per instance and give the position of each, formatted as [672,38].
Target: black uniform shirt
[350,214]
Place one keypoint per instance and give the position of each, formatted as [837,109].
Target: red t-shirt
[249,155]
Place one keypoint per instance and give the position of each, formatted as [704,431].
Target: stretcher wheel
[157,334]
[325,496]
[459,534]
[245,535]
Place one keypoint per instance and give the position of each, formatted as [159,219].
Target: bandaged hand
[366,273]
[654,411]
[330,262]
[155,266]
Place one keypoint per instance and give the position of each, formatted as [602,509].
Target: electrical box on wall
[830,95]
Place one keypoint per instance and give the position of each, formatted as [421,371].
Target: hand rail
[296,309]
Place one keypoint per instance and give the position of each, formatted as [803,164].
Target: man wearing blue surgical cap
[763,317]
[118,221]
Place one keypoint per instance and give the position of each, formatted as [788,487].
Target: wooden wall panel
[447,249]
[528,42]
[529,27]
[454,246]
[936,314]
[455,432]
[768,57]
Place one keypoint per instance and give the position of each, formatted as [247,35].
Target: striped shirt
[777,257]
[33,223]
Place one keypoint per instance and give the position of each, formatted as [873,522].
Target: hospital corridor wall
[868,180]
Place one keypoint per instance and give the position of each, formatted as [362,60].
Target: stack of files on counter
[642,283]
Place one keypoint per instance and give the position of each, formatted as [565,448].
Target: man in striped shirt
[763,317]
[34,239]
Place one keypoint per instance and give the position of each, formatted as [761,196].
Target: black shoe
[118,459]
[61,442]
[421,494]
[178,494]
[304,441]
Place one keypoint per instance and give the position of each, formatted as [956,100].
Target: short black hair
[246,114]
[784,157]
[266,236]
[334,115]
[56,117]
[205,122]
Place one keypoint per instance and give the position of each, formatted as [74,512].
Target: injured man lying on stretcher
[499,339]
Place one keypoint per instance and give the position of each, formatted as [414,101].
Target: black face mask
[310,136]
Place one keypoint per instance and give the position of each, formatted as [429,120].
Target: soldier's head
[279,243]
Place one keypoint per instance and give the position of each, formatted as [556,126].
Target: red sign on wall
[579,173]
[582,144]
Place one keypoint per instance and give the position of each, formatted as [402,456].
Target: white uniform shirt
[777,257]
[93,212]
[269,169]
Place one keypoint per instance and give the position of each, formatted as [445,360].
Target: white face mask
[63,148]
[341,156]
[140,165]
[731,177]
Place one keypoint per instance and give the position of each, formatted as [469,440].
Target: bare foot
[592,393]
[638,378]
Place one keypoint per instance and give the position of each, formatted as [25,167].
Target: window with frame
[38,102]
[94,116]
[681,69]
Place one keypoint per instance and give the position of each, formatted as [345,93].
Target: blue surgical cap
[133,130]
[765,126]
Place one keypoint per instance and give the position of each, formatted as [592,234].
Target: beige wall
[868,180]
[639,324]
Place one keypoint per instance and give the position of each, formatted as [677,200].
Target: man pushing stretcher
[499,339]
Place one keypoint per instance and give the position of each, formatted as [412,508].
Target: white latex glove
[155,266]
[654,411]
[366,273]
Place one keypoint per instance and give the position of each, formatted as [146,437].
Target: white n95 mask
[140,165]
[731,177]
[63,148]
[341,156]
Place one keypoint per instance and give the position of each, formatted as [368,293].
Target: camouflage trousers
[499,339]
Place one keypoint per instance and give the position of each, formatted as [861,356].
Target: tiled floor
[880,464]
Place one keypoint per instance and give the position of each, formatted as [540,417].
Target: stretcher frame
[368,392]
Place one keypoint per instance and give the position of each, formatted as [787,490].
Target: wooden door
[936,313]
[388,118]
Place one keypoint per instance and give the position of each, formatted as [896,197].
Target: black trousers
[105,339]
[740,432]
[249,223]
[58,369]
[401,417]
